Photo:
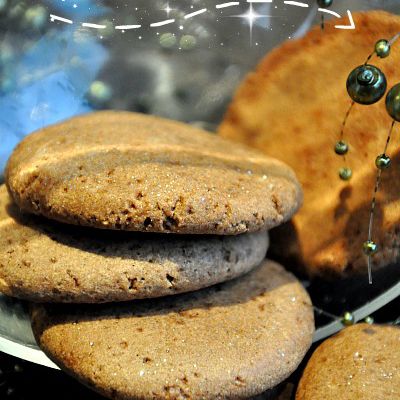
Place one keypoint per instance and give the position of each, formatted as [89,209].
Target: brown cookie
[292,107]
[42,260]
[230,341]
[361,362]
[120,170]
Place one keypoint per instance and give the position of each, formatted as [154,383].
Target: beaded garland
[367,85]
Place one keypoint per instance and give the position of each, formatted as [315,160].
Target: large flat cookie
[361,362]
[42,260]
[120,170]
[292,108]
[231,341]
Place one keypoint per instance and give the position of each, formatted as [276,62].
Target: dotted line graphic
[351,25]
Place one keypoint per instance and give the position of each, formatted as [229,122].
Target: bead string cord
[393,39]
[382,162]
[345,173]
[366,85]
[320,311]
[341,146]
[359,314]
[369,58]
[324,4]
[346,319]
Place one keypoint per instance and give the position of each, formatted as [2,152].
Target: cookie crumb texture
[361,362]
[231,341]
[120,170]
[45,261]
[292,108]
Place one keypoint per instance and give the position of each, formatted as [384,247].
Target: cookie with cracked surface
[292,107]
[361,362]
[233,340]
[45,261]
[121,170]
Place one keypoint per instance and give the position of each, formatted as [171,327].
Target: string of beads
[366,85]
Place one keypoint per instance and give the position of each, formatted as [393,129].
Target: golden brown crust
[361,362]
[230,341]
[292,108]
[120,170]
[41,260]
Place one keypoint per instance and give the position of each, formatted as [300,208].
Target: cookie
[361,362]
[233,340]
[42,260]
[292,107]
[120,170]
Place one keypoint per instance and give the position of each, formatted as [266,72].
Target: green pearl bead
[393,102]
[341,148]
[99,94]
[369,320]
[348,318]
[345,173]
[370,248]
[366,84]
[324,3]
[382,48]
[383,161]
[167,40]
[187,42]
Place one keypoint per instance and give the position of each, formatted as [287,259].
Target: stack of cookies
[163,229]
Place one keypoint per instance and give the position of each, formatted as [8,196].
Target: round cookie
[234,340]
[361,362]
[121,170]
[292,107]
[42,260]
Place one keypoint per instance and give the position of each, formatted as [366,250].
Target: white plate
[16,336]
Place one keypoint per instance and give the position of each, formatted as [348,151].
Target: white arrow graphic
[351,26]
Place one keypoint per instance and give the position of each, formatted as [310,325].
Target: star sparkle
[250,17]
[168,9]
